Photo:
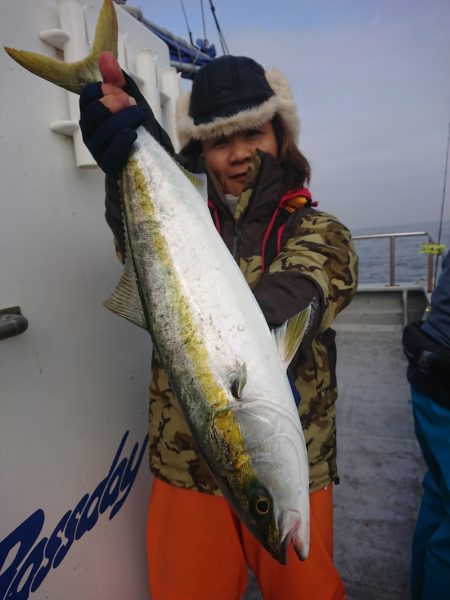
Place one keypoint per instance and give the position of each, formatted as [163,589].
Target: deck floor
[380,466]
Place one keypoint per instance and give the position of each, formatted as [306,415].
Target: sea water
[411,265]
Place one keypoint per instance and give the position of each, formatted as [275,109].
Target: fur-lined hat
[232,93]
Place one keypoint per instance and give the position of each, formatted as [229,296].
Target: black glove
[150,123]
[109,136]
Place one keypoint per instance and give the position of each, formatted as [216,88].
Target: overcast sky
[372,82]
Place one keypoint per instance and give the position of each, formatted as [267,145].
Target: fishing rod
[442,203]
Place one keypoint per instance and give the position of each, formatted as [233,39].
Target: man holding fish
[227,449]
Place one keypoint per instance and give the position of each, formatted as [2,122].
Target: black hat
[227,86]
[232,93]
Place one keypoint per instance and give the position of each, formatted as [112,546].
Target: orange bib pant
[199,550]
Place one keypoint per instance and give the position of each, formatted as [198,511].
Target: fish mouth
[296,531]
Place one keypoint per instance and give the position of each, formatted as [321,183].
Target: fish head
[274,526]
[270,502]
[272,465]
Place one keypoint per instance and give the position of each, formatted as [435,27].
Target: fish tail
[74,76]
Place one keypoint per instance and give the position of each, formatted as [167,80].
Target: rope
[219,31]
[205,39]
[187,22]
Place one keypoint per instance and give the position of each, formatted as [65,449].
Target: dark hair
[297,171]
[191,154]
[297,168]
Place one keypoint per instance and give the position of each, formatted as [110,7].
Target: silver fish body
[217,349]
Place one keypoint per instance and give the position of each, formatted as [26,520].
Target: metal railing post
[392,260]
[430,273]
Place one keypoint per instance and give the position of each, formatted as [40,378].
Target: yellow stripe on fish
[221,417]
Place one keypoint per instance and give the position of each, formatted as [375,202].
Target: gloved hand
[109,136]
[150,123]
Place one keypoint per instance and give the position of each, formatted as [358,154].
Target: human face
[229,157]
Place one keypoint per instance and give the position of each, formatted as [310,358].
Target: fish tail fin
[106,30]
[74,76]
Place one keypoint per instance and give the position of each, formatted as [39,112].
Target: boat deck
[380,463]
[380,466]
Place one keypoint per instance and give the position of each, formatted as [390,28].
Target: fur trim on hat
[281,103]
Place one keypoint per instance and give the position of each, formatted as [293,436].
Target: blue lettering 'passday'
[25,562]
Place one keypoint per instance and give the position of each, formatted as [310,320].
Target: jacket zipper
[237,240]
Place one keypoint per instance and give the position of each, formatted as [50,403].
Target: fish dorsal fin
[125,301]
[199,181]
[288,336]
[238,379]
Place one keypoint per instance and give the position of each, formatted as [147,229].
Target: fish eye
[260,504]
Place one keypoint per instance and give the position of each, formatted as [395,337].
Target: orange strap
[295,203]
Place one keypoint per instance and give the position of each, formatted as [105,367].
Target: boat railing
[392,237]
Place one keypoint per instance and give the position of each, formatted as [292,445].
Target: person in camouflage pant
[239,125]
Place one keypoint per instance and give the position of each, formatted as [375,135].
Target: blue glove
[108,136]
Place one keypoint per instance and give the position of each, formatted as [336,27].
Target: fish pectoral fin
[199,181]
[238,379]
[125,301]
[289,336]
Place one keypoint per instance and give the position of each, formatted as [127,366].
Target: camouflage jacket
[317,263]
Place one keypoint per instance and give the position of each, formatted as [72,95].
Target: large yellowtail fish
[227,369]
